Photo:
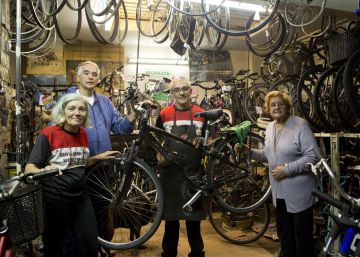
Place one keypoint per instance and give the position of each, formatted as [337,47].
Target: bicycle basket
[24,213]
[341,46]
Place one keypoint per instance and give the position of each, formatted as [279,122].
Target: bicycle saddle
[210,115]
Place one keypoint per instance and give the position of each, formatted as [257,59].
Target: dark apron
[176,191]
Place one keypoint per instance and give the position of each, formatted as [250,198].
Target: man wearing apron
[180,121]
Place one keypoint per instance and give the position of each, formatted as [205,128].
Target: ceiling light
[158,61]
[257,16]
[237,5]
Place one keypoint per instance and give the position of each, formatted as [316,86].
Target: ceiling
[340,8]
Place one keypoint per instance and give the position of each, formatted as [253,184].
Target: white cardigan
[296,148]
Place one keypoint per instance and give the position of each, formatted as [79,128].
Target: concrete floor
[215,246]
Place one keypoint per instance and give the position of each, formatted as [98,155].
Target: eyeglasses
[182,89]
[280,105]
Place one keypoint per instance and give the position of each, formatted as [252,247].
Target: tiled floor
[215,246]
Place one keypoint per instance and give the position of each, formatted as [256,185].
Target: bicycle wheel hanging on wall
[238,14]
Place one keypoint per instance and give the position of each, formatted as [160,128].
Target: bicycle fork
[187,207]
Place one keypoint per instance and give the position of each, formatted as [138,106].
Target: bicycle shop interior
[233,52]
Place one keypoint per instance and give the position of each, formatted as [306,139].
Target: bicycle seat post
[207,133]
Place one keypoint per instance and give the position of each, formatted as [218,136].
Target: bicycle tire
[161,15]
[106,9]
[186,27]
[77,29]
[352,82]
[216,38]
[238,194]
[199,32]
[324,106]
[274,40]
[245,31]
[36,17]
[239,228]
[348,119]
[54,4]
[299,13]
[306,86]
[254,99]
[202,13]
[80,7]
[140,210]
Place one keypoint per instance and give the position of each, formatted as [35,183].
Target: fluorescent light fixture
[158,61]
[257,16]
[237,5]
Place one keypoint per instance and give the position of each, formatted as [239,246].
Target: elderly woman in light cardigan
[289,147]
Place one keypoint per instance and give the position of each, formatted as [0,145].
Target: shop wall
[156,53]
[244,59]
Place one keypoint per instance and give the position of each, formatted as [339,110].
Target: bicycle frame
[206,186]
[346,218]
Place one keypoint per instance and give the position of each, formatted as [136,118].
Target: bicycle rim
[132,221]
[352,82]
[233,191]
[239,228]
[239,17]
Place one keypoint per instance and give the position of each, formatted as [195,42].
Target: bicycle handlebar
[31,177]
[346,209]
[197,84]
[8,187]
[325,165]
[335,202]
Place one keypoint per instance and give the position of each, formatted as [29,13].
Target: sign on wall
[50,64]
[63,60]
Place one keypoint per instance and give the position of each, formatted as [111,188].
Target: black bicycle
[132,197]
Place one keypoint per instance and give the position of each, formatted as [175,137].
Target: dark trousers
[295,231]
[62,217]
[171,239]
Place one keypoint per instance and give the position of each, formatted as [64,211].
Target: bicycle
[132,197]
[345,220]
[21,210]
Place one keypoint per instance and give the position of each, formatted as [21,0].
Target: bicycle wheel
[303,13]
[239,17]
[130,218]
[305,91]
[324,106]
[273,37]
[239,228]
[352,82]
[240,184]
[349,120]
[254,101]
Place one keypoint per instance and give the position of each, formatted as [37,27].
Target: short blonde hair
[58,112]
[283,95]
[80,67]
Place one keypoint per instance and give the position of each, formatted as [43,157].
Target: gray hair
[80,67]
[58,112]
[179,79]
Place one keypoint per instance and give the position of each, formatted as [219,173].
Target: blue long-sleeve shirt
[105,119]
[295,148]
